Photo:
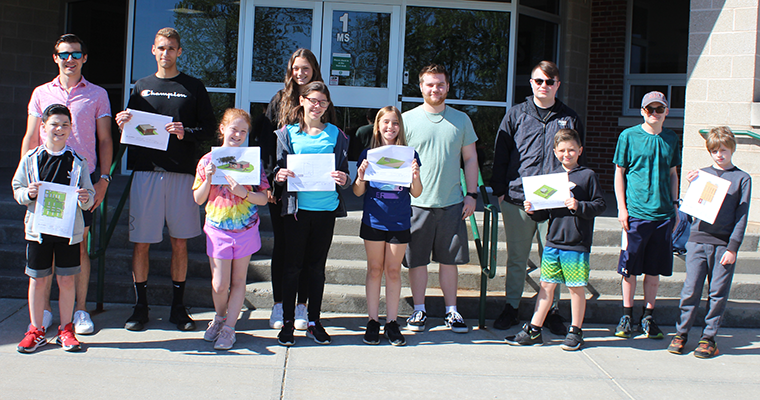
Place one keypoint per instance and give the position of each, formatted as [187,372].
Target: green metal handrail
[488,247]
[753,135]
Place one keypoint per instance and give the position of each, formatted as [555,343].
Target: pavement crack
[284,373]
[23,306]
[610,377]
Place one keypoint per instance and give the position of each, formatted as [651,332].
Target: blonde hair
[230,115]
[377,140]
[720,136]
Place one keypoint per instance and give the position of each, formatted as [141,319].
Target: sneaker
[392,331]
[706,349]
[555,323]
[623,329]
[275,319]
[180,318]
[677,344]
[32,340]
[574,339]
[507,318]
[138,319]
[67,339]
[526,337]
[372,334]
[214,327]
[285,337]
[416,322]
[302,317]
[226,338]
[47,321]
[455,322]
[650,328]
[318,333]
[83,323]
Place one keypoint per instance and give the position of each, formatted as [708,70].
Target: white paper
[705,196]
[146,130]
[312,172]
[390,164]
[55,210]
[546,191]
[243,164]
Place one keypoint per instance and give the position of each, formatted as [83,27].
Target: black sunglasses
[539,81]
[64,55]
[658,110]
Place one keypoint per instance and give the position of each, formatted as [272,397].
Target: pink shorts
[226,245]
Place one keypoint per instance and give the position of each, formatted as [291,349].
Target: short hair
[566,135]
[169,33]
[720,136]
[69,38]
[232,114]
[547,67]
[435,69]
[55,109]
[376,135]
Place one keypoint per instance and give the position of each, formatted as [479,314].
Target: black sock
[179,293]
[141,291]
[628,311]
[575,329]
[647,312]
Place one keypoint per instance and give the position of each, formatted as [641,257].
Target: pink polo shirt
[86,101]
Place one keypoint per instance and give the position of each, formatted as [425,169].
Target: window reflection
[278,33]
[359,46]
[536,42]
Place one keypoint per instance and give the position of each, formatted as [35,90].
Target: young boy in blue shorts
[711,249]
[568,244]
[646,189]
[55,162]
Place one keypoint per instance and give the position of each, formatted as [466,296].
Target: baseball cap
[653,97]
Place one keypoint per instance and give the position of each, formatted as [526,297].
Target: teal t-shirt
[439,139]
[322,143]
[648,159]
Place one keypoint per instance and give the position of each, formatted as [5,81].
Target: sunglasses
[658,110]
[539,81]
[64,55]
[321,103]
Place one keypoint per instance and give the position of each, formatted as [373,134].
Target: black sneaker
[179,317]
[623,329]
[574,339]
[526,337]
[138,319]
[285,337]
[650,328]
[555,323]
[392,331]
[506,319]
[455,322]
[416,322]
[318,333]
[372,334]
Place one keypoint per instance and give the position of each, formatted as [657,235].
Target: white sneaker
[302,317]
[275,320]
[83,323]
[47,320]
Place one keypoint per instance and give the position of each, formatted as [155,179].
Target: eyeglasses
[658,110]
[321,103]
[64,55]
[539,81]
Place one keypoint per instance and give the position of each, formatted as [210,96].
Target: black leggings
[278,257]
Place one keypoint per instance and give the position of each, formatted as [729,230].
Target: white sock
[451,309]
[312,323]
[420,307]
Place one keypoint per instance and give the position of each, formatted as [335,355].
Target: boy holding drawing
[54,162]
[711,250]
[568,243]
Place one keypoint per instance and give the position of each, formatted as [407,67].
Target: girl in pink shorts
[232,229]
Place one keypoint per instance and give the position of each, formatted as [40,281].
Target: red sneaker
[32,340]
[66,338]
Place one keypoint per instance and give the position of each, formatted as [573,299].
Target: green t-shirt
[648,159]
[439,139]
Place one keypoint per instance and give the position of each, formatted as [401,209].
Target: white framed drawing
[55,209]
[546,191]
[705,196]
[243,164]
[390,164]
[312,172]
[146,129]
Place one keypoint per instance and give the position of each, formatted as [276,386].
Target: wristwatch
[107,178]
[474,195]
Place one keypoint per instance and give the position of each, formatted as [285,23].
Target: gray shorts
[156,197]
[440,231]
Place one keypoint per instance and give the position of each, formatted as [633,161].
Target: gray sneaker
[226,338]
[526,337]
[214,327]
[574,339]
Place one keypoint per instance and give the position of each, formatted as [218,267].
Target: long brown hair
[291,93]
[297,117]
[377,140]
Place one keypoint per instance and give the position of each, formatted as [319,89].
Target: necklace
[443,115]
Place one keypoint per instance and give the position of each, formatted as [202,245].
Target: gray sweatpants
[703,261]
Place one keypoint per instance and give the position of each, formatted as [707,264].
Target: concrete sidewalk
[163,363]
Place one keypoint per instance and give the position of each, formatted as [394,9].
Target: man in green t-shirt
[443,137]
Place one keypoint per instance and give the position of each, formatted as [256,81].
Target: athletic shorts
[367,232]
[564,266]
[39,257]
[440,231]
[158,197]
[647,248]
[226,245]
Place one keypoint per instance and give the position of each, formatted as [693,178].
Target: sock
[420,307]
[141,291]
[312,323]
[575,329]
[628,311]
[451,309]
[647,312]
[179,293]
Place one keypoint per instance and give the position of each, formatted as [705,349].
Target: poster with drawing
[390,164]
[146,130]
[55,209]
[705,196]
[243,164]
[546,191]
[312,172]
